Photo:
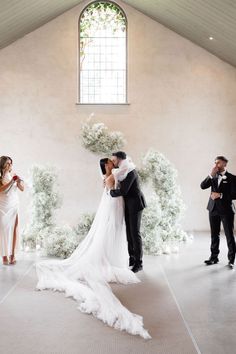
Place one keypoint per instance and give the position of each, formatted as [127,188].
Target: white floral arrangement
[161,229]
[150,227]
[59,241]
[84,225]
[97,138]
[62,241]
[42,233]
[45,200]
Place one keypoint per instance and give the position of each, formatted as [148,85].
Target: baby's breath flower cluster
[97,138]
[44,201]
[42,232]
[161,228]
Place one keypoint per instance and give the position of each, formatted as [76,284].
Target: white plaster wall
[182,102]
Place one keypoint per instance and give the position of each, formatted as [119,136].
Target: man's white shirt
[220,178]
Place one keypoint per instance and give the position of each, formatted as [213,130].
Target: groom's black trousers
[228,224]
[133,223]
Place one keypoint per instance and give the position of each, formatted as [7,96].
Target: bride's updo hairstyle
[103,162]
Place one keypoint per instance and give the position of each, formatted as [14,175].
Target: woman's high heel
[12,260]
[5,261]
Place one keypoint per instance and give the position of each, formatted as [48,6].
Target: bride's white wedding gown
[101,257]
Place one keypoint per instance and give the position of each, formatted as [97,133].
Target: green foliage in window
[97,17]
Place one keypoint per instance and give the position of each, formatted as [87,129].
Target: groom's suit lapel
[215,183]
[225,182]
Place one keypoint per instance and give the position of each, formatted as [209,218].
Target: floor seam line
[16,284]
[180,311]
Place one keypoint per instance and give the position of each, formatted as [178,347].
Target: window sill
[102,104]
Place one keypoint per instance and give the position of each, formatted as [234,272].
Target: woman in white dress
[102,257]
[9,205]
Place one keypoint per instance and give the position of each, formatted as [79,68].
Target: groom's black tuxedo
[134,204]
[227,187]
[222,210]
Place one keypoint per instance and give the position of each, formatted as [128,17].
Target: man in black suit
[221,209]
[134,205]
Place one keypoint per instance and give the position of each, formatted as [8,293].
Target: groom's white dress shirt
[220,178]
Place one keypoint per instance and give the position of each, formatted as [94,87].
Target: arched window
[103,67]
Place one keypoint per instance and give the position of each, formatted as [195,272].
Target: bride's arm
[124,186]
[110,182]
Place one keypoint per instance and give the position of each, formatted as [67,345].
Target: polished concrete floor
[206,295]
[189,307]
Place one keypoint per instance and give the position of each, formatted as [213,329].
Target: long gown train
[102,257]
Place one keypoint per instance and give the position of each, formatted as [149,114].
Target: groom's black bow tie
[220,174]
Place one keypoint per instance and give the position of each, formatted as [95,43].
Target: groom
[221,209]
[134,205]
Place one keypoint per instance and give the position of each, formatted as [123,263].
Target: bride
[102,257]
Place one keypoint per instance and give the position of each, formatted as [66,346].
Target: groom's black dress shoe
[137,267]
[211,261]
[231,265]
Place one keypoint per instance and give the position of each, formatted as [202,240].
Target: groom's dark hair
[120,155]
[222,158]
